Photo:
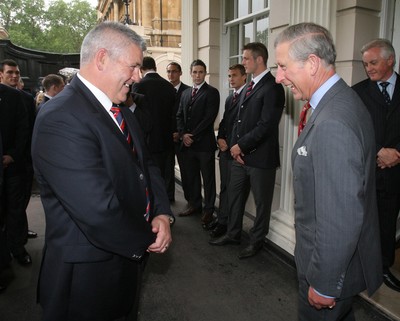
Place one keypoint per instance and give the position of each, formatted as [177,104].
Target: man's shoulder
[362,85]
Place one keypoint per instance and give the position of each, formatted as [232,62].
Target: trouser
[261,182]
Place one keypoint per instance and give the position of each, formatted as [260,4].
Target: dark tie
[249,88]
[303,118]
[116,110]
[385,94]
[235,96]
[194,91]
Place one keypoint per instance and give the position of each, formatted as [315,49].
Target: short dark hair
[52,80]
[258,49]
[148,63]
[7,62]
[178,66]
[198,62]
[239,67]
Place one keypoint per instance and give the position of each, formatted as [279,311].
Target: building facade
[157,21]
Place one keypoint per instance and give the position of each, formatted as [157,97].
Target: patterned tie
[385,94]
[194,91]
[115,109]
[249,88]
[303,119]
[235,97]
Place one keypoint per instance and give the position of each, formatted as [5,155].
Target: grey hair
[308,38]
[385,45]
[115,37]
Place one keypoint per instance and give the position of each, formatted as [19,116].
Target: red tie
[249,88]
[115,109]
[303,115]
[235,96]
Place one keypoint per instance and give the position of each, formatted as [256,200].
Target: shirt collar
[321,91]
[101,96]
[258,78]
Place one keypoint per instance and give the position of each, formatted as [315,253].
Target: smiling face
[120,72]
[293,74]
[376,66]
[10,75]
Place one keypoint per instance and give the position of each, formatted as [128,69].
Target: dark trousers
[225,163]
[13,214]
[170,174]
[163,161]
[200,165]
[343,310]
[388,209]
[261,182]
[181,162]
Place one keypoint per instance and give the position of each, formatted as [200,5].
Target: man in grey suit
[337,250]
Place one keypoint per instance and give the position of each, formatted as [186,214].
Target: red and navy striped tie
[116,110]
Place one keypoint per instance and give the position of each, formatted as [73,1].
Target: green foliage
[61,28]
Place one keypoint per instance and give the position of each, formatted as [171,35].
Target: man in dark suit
[160,99]
[15,136]
[174,73]
[237,80]
[379,59]
[337,250]
[104,199]
[52,85]
[4,252]
[11,76]
[198,109]
[254,147]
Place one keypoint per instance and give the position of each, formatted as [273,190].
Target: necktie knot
[303,117]
[194,91]
[235,97]
[386,96]
[116,110]
[249,88]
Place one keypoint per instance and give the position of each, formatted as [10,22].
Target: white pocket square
[302,151]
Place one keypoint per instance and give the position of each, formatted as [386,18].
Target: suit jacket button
[141,177]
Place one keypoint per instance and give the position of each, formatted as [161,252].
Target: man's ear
[101,58]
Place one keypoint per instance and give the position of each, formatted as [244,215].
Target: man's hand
[161,226]
[222,145]
[187,140]
[319,302]
[237,154]
[7,160]
[388,157]
[175,137]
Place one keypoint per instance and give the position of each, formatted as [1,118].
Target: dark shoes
[250,250]
[32,234]
[23,259]
[189,211]
[224,240]
[219,230]
[391,281]
[207,217]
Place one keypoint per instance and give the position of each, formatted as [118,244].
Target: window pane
[243,7]
[234,41]
[262,30]
[248,32]
[257,5]
[229,10]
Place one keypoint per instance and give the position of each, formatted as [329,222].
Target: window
[245,21]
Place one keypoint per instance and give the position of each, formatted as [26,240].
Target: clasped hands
[388,157]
